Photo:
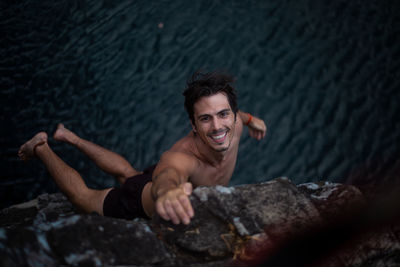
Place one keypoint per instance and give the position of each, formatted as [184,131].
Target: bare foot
[63,134]
[27,150]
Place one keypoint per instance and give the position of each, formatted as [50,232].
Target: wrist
[162,190]
[249,119]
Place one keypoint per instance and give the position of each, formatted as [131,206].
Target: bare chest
[210,175]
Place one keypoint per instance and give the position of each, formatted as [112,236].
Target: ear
[193,127]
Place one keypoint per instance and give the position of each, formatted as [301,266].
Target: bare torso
[207,170]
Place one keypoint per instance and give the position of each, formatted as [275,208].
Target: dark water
[324,75]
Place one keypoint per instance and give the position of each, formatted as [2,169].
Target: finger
[188,188]
[255,135]
[171,212]
[251,133]
[161,211]
[185,202]
[181,213]
[259,136]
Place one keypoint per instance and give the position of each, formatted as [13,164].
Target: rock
[59,235]
[240,226]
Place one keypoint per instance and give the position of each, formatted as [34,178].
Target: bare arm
[171,189]
[257,127]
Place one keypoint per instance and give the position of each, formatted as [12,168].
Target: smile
[219,138]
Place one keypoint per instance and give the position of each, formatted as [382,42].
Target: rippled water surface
[323,75]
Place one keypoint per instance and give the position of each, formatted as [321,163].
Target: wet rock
[238,226]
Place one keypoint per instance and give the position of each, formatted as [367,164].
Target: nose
[216,124]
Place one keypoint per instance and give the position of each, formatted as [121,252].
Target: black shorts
[125,202]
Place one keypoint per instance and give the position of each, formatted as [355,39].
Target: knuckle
[182,198]
[167,203]
[187,204]
[175,203]
[171,215]
[181,214]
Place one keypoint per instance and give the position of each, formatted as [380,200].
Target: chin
[221,149]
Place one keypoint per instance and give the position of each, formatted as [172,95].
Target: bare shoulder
[184,145]
[180,156]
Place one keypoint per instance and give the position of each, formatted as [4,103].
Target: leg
[108,161]
[67,179]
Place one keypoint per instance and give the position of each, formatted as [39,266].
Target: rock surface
[240,226]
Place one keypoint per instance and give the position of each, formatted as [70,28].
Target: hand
[175,204]
[257,128]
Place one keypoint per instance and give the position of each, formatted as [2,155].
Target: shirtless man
[206,156]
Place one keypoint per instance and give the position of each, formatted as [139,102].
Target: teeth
[218,136]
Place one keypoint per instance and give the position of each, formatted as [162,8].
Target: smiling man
[206,156]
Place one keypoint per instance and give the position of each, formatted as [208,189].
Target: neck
[207,154]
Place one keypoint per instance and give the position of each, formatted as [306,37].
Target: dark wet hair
[208,84]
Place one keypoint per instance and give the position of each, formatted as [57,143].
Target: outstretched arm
[171,189]
[257,127]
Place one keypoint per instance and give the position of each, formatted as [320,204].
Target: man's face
[214,121]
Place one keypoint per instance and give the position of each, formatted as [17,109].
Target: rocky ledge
[275,223]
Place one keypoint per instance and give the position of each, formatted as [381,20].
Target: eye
[204,118]
[224,114]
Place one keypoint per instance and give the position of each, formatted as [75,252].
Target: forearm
[166,180]
[244,116]
[257,127]
[171,196]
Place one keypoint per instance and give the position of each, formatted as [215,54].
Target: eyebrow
[224,110]
[219,112]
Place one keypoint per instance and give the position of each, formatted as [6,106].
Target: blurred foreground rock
[274,222]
